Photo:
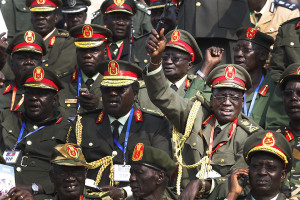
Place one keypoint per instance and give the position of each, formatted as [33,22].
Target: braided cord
[78,130]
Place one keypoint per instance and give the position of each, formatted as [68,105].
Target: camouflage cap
[118,73]
[271,142]
[291,72]
[41,78]
[152,157]
[43,5]
[90,35]
[155,4]
[255,36]
[229,76]
[75,6]
[184,41]
[68,154]
[27,41]
[126,6]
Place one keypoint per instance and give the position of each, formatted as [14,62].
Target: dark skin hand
[192,188]
[235,189]
[88,101]
[114,193]
[2,79]
[19,194]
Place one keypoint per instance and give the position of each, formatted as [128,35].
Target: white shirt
[122,121]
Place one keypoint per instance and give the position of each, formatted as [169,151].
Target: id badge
[122,173]
[11,156]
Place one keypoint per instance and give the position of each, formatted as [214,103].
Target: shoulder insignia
[75,75]
[142,83]
[187,83]
[59,120]
[264,89]
[298,25]
[285,4]
[154,112]
[52,41]
[7,89]
[138,115]
[249,126]
[289,135]
[201,98]
[63,34]
[278,130]
[207,120]
[100,117]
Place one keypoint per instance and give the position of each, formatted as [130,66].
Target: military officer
[151,170]
[28,137]
[268,15]
[90,41]
[212,134]
[26,50]
[118,127]
[269,157]
[75,12]
[286,47]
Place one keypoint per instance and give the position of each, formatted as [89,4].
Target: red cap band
[95,35]
[186,46]
[44,80]
[47,3]
[223,78]
[122,73]
[30,45]
[114,7]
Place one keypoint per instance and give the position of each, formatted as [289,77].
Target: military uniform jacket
[6,96]
[286,49]
[97,138]
[67,96]
[227,158]
[280,197]
[34,162]
[273,17]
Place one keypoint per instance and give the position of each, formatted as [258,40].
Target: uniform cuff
[156,71]
[128,191]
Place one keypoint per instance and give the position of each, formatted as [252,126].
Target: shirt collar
[221,127]
[118,43]
[266,6]
[178,83]
[85,78]
[122,119]
[49,34]
[252,198]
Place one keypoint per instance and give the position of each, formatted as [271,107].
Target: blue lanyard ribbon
[22,131]
[126,137]
[248,113]
[79,86]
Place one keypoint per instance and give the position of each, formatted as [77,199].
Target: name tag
[11,156]
[122,173]
[70,100]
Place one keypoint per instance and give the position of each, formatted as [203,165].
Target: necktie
[89,82]
[258,16]
[116,125]
[174,87]
[113,48]
[217,131]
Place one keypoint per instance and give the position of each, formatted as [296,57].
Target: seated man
[150,172]
[214,134]
[269,157]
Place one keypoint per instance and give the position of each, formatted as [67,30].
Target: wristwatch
[35,188]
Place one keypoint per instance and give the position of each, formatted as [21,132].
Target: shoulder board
[191,76]
[142,84]
[285,4]
[289,135]
[153,112]
[207,119]
[203,101]
[142,7]
[96,195]
[291,21]
[52,41]
[7,89]
[95,14]
[100,117]
[248,125]
[264,89]
[138,115]
[141,36]
[75,75]
[63,33]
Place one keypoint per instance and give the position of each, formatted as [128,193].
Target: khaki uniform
[273,17]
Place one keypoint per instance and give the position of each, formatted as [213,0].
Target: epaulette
[294,20]
[153,112]
[248,125]
[63,33]
[264,89]
[285,4]
[286,132]
[7,89]
[96,195]
[141,36]
[191,76]
[203,100]
[142,83]
[95,14]
[100,117]
[143,7]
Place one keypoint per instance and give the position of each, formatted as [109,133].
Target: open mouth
[71,188]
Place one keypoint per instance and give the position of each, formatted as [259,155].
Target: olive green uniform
[6,96]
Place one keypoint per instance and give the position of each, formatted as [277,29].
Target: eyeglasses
[118,90]
[289,93]
[175,59]
[232,99]
[243,49]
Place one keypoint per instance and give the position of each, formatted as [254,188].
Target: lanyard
[21,133]
[255,19]
[248,113]
[13,99]
[126,137]
[79,86]
[119,54]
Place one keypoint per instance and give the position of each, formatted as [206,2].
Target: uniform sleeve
[162,138]
[197,85]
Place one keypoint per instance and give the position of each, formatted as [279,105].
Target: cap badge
[230,72]
[251,33]
[87,31]
[113,68]
[41,1]
[138,152]
[298,71]
[72,151]
[119,2]
[29,37]
[175,36]
[38,74]
[71,3]
[269,139]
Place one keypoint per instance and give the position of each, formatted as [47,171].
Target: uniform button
[194,144]
[90,144]
[19,169]
[35,127]
[145,61]
[29,142]
[68,105]
[3,2]
[292,43]
[10,131]
[271,29]
[24,8]
[222,160]
[53,138]
[198,4]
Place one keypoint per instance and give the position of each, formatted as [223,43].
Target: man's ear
[161,176]
[283,175]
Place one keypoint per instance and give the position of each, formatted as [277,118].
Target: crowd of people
[158,99]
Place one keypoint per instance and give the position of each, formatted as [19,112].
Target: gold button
[222,160]
[292,43]
[29,142]
[145,61]
[10,131]
[194,144]
[19,169]
[68,105]
[90,144]
[35,127]
[53,138]
[198,4]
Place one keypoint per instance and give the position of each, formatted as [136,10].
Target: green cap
[184,41]
[254,35]
[41,78]
[229,76]
[152,157]
[155,4]
[271,142]
[291,72]
[118,73]
[75,6]
[27,41]
[68,154]
[43,5]
[126,6]
[90,35]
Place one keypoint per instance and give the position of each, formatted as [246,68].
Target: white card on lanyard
[122,173]
[11,156]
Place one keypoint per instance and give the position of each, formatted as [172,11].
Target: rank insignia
[87,31]
[119,2]
[59,120]
[251,33]
[175,36]
[29,37]
[298,71]
[230,72]
[113,68]
[100,117]
[72,151]
[298,25]
[263,91]
[38,74]
[269,139]
[138,116]
[41,1]
[52,41]
[7,89]
[207,120]
[138,152]
[187,83]
[288,135]
[75,75]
